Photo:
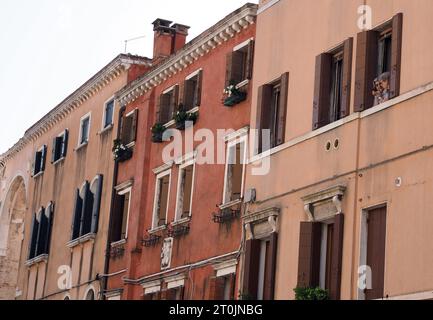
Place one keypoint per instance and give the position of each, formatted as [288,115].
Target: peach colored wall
[289,36]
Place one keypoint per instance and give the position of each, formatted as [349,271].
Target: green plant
[120,151]
[157,132]
[182,116]
[311,294]
[233,96]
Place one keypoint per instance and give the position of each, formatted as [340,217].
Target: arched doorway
[12,214]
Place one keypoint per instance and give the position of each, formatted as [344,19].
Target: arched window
[41,231]
[90,295]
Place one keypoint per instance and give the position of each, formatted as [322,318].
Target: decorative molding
[81,240]
[164,167]
[200,46]
[261,223]
[227,267]
[332,196]
[266,6]
[124,185]
[104,77]
[42,258]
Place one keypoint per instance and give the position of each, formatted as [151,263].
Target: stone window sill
[106,129]
[83,239]
[36,260]
[158,229]
[82,146]
[181,221]
[58,161]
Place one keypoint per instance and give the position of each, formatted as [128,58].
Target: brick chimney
[168,38]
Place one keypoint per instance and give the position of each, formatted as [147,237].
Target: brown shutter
[397,37]
[237,66]
[347,77]
[271,262]
[337,255]
[219,288]
[174,100]
[229,59]
[376,240]
[309,255]
[198,88]
[282,109]
[232,279]
[251,269]
[263,110]
[164,109]
[126,129]
[366,65]
[182,93]
[322,89]
[134,122]
[250,60]
[158,109]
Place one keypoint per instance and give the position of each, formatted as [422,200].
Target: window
[90,295]
[39,161]
[60,146]
[192,91]
[373,252]
[108,114]
[332,85]
[235,166]
[40,238]
[320,255]
[271,113]
[168,103]
[86,210]
[84,130]
[185,191]
[240,63]
[259,270]
[121,215]
[378,64]
[128,127]
[222,288]
[173,294]
[162,194]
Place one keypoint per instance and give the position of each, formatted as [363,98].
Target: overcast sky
[48,48]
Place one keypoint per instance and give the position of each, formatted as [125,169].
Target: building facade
[345,203]
[57,197]
[176,230]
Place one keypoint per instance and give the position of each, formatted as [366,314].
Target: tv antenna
[133,39]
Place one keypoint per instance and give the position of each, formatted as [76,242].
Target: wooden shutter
[251,268]
[237,66]
[282,108]
[65,143]
[229,59]
[366,65]
[33,236]
[322,90]
[232,281]
[86,215]
[376,241]
[164,109]
[182,93]
[263,111]
[43,157]
[174,100]
[198,88]
[76,218]
[170,294]
[271,263]
[309,255]
[250,60]
[347,77]
[40,234]
[219,288]
[50,214]
[53,149]
[134,123]
[116,231]
[336,259]
[126,129]
[397,37]
[97,204]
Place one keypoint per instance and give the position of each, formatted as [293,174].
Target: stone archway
[12,216]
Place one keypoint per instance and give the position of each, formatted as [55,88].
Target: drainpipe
[110,222]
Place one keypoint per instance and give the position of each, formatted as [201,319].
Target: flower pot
[157,137]
[123,155]
[234,99]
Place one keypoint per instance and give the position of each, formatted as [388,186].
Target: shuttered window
[60,146]
[378,56]
[162,190]
[168,103]
[332,85]
[192,89]
[128,130]
[41,228]
[39,161]
[272,113]
[239,64]
[234,172]
[84,130]
[222,288]
[108,113]
[184,200]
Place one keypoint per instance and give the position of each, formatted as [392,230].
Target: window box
[183,118]
[121,152]
[234,96]
[151,241]
[157,132]
[178,231]
[226,215]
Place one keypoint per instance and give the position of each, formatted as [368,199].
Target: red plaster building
[175,225]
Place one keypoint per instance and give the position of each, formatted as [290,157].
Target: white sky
[48,48]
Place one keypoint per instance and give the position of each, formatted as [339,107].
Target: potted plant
[157,132]
[120,151]
[233,96]
[311,294]
[183,117]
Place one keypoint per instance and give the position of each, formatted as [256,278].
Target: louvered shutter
[397,38]
[251,269]
[65,143]
[76,219]
[263,111]
[198,88]
[282,109]
[337,255]
[347,77]
[309,255]
[97,204]
[322,90]
[229,59]
[33,236]
[271,263]
[49,212]
[250,60]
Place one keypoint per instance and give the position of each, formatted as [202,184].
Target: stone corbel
[308,208]
[249,231]
[273,223]
[336,200]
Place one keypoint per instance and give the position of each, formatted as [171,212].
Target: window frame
[170,90]
[80,134]
[62,157]
[178,212]
[106,127]
[42,161]
[123,192]
[131,114]
[156,196]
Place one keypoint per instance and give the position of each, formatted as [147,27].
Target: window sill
[170,124]
[38,259]
[83,239]
[119,243]
[230,204]
[130,145]
[58,161]
[38,174]
[243,83]
[158,229]
[194,110]
[181,221]
[106,129]
[82,146]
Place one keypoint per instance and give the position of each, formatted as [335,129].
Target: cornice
[100,80]
[192,51]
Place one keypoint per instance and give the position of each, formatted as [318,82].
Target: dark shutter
[219,288]
[116,231]
[76,219]
[65,143]
[53,150]
[42,243]
[43,157]
[337,255]
[50,215]
[182,93]
[134,122]
[39,236]
[271,263]
[263,111]
[322,90]
[309,255]
[158,109]
[86,215]
[198,88]
[174,100]
[282,108]
[229,59]
[237,67]
[397,37]
[376,241]
[97,204]
[164,109]
[170,294]
[33,172]
[366,64]
[250,60]
[33,237]
[232,281]
[251,269]
[347,77]
[126,129]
